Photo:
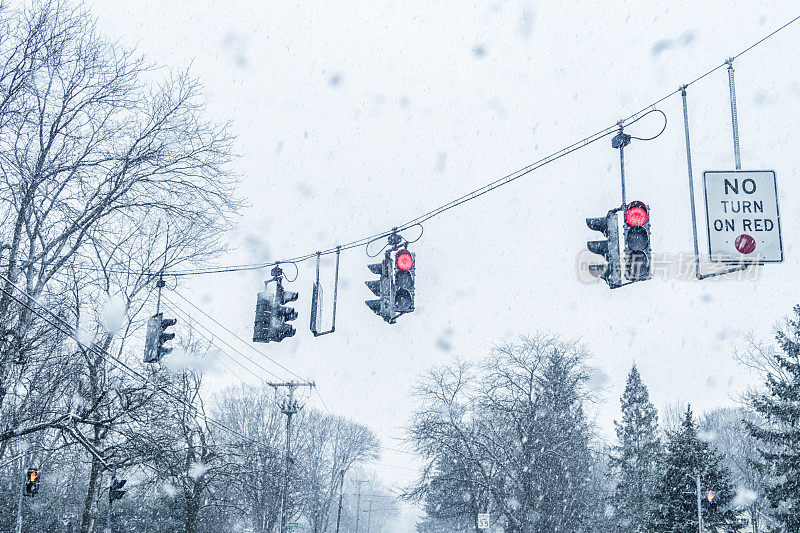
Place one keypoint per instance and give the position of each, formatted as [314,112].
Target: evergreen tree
[635,456]
[780,438]
[675,502]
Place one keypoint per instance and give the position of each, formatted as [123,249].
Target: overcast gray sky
[355,116]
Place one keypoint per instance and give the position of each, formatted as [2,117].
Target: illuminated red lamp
[636,214]
[710,496]
[404,260]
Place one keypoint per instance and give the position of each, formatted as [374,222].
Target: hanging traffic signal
[271,315]
[381,288]
[710,497]
[608,249]
[638,264]
[115,491]
[156,337]
[31,482]
[403,288]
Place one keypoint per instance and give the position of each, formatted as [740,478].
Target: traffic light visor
[598,224]
[598,247]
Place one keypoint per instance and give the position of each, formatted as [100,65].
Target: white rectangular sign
[483,520]
[742,216]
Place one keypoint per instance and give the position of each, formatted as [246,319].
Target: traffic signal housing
[381,288]
[282,314]
[157,336]
[31,482]
[115,491]
[263,318]
[404,273]
[638,264]
[272,314]
[608,249]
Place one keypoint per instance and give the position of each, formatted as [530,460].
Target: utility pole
[110,488]
[289,407]
[369,514]
[358,506]
[341,497]
[699,508]
[22,491]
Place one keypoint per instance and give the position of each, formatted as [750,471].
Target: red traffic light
[636,214]
[404,260]
[33,476]
[710,496]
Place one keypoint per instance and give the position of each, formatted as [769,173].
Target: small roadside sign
[291,526]
[742,216]
[483,520]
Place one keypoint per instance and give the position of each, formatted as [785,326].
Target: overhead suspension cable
[505,180]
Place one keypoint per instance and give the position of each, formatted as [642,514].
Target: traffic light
[710,497]
[638,265]
[282,314]
[115,491]
[271,313]
[157,335]
[608,249]
[404,272]
[31,482]
[381,288]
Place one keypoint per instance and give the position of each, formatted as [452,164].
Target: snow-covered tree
[514,431]
[635,456]
[675,503]
[779,436]
[727,429]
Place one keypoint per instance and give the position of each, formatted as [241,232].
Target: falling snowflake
[196,470]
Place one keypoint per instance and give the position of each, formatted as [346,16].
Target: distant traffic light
[31,482]
[608,249]
[271,315]
[710,496]
[157,336]
[115,491]
[404,273]
[638,264]
[381,288]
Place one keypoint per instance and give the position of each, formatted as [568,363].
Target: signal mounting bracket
[316,298]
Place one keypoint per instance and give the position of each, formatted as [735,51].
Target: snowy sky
[355,116]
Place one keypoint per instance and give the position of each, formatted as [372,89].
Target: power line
[185,316]
[198,309]
[122,366]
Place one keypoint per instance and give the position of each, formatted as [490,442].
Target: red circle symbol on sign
[745,244]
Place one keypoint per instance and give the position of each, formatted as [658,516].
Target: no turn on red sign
[742,216]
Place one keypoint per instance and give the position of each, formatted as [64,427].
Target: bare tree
[108,176]
[329,445]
